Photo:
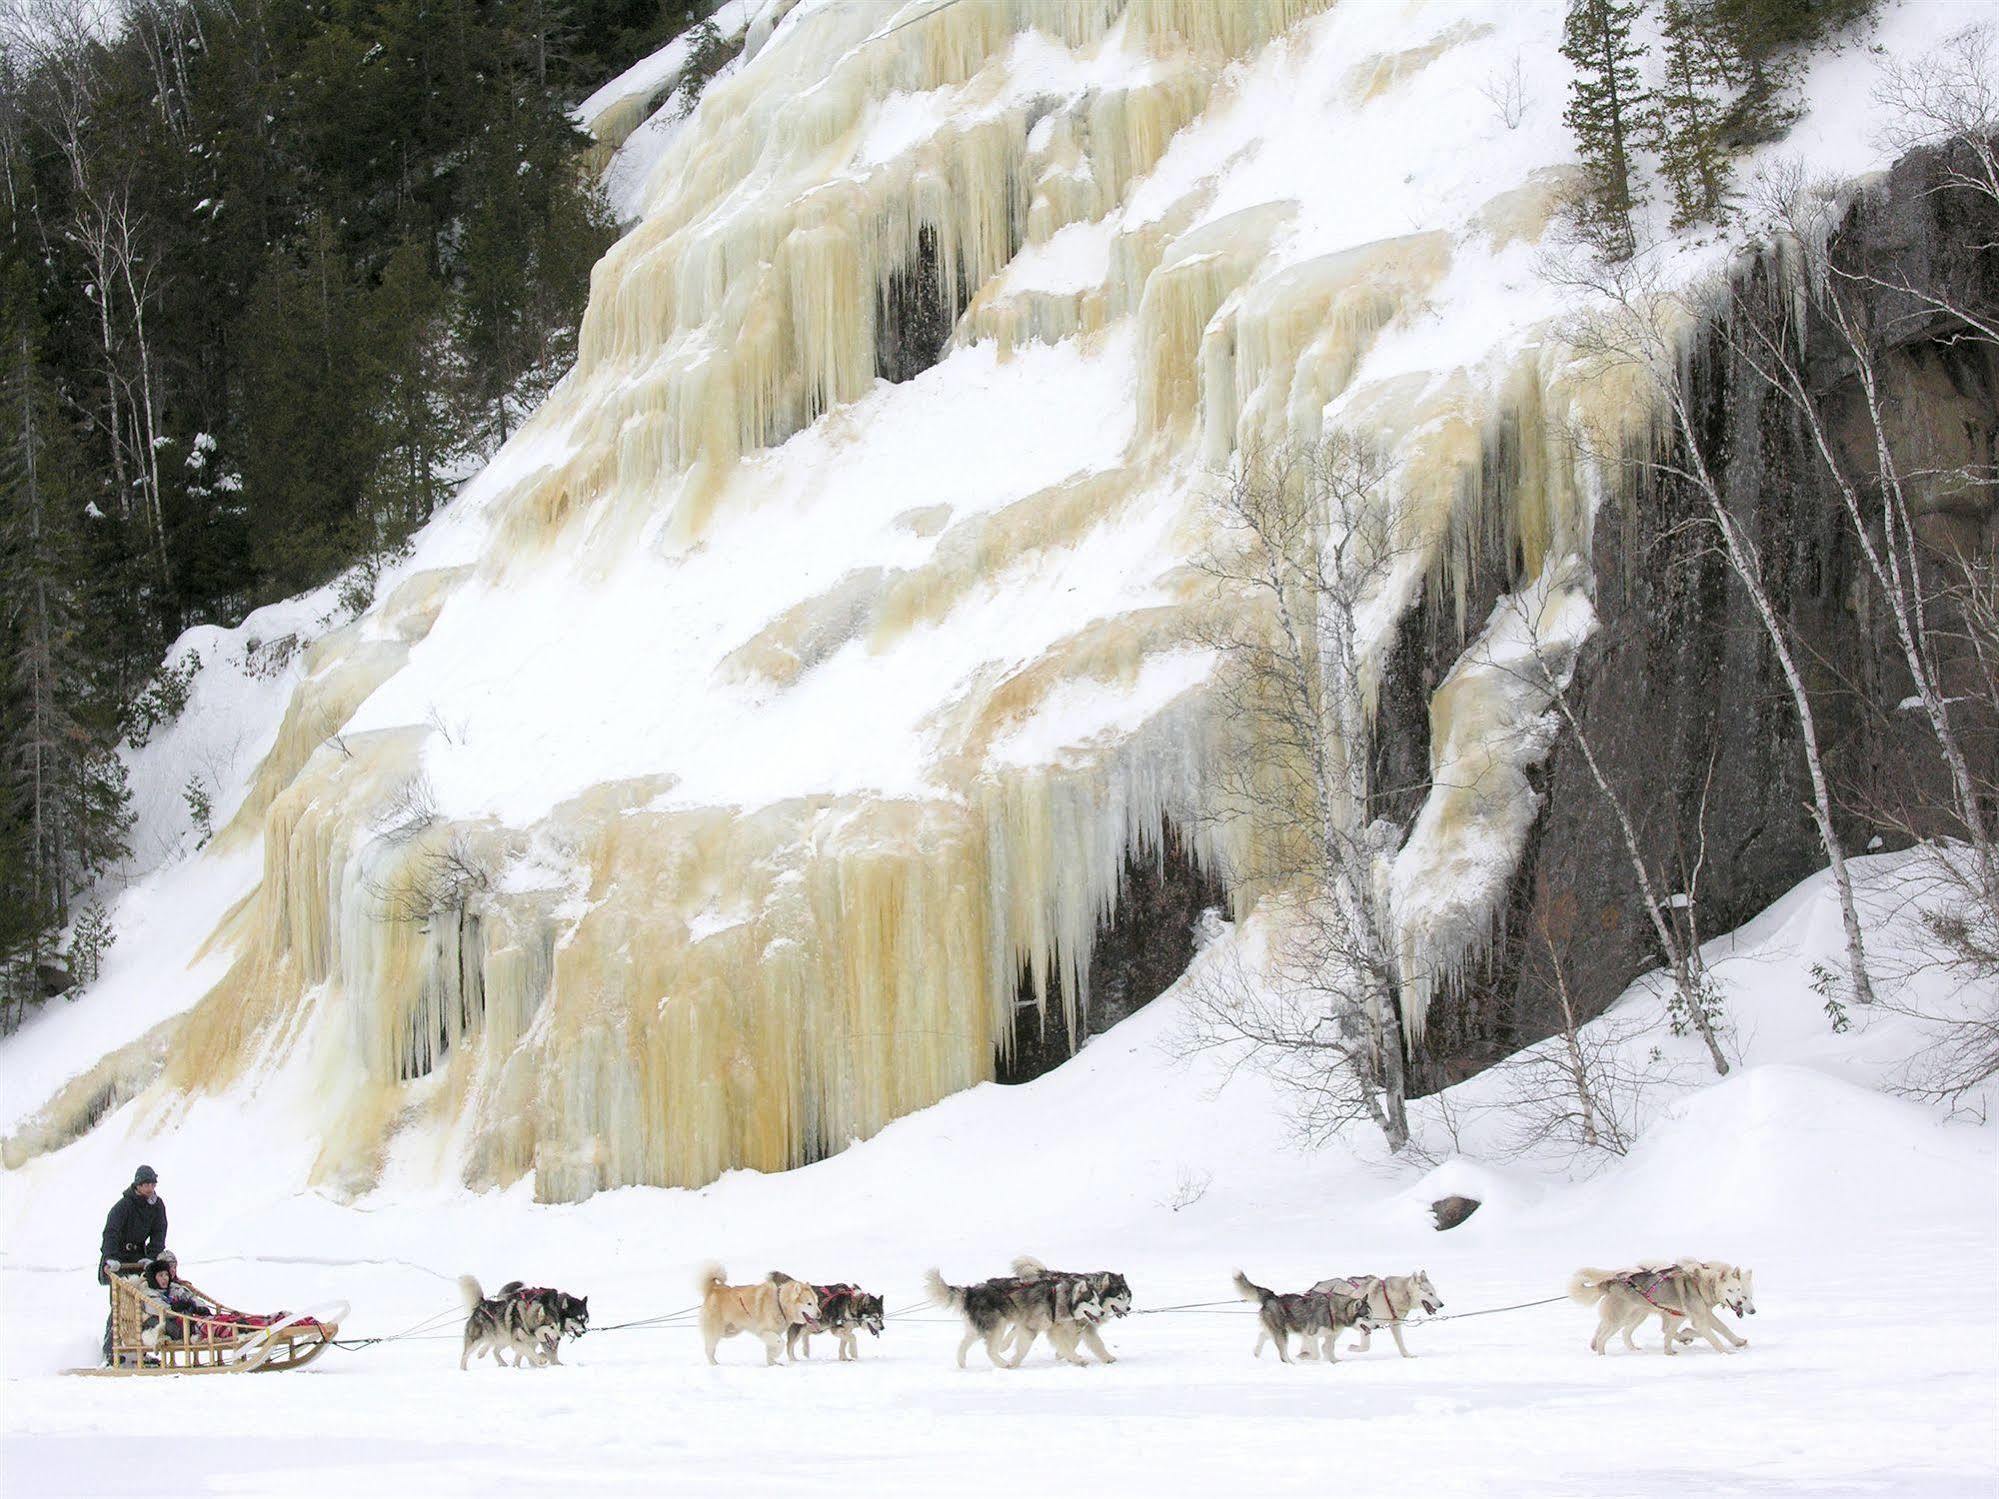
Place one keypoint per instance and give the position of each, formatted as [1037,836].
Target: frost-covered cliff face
[792,693]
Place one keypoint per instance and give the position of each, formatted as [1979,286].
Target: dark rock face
[914,315]
[1139,952]
[1680,693]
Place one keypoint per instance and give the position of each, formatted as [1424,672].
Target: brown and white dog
[1684,1291]
[768,1308]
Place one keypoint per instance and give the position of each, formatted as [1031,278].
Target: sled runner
[149,1337]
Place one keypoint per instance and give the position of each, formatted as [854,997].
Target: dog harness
[1645,1282]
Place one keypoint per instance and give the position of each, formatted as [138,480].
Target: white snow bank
[1870,1223]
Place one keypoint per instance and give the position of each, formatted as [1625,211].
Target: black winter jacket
[134,1229]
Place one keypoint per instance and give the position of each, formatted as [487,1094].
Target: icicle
[722,987]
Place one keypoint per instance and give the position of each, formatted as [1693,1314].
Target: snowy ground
[1872,1224]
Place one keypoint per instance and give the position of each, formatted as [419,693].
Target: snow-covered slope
[700,789]
[1868,1220]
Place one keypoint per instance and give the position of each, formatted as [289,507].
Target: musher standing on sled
[134,1229]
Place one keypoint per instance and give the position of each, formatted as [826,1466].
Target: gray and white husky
[1107,1288]
[530,1321]
[1010,1308]
[1386,1300]
[1316,1316]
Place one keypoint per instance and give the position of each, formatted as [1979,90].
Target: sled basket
[149,1337]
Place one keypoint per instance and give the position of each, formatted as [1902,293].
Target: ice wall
[708,799]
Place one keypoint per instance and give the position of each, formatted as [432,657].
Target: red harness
[1636,1282]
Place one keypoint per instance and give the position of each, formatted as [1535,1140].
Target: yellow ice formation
[633,991]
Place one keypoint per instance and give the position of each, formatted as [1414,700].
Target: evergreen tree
[63,810]
[307,442]
[408,370]
[1605,112]
[269,258]
[1689,114]
[595,40]
[1762,40]
[533,231]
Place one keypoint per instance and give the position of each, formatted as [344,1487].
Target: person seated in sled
[162,1278]
[135,1229]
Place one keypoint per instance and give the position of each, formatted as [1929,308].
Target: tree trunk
[1743,560]
[1678,962]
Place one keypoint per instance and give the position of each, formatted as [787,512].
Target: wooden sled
[147,1337]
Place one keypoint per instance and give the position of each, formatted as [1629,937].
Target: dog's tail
[943,1293]
[710,1276]
[1249,1290]
[1027,1267]
[468,1287]
[1587,1285]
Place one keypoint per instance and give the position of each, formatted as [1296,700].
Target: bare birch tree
[1631,320]
[1547,666]
[56,43]
[1307,539]
[1881,507]
[1579,1089]
[1830,345]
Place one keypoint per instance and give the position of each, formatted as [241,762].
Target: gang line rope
[666,1321]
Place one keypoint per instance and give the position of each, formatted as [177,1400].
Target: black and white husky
[844,1311]
[1110,1290]
[1315,1316]
[532,1321]
[1017,1308]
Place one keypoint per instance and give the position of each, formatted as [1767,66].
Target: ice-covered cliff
[787,698]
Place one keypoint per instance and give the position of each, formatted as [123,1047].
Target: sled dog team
[1009,1312]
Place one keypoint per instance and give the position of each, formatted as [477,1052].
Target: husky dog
[1313,1315]
[1387,1299]
[768,1308]
[1011,1307]
[529,1322]
[549,1315]
[843,1310]
[1685,1291]
[1107,1288]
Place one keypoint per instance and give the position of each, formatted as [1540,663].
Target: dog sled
[150,1337]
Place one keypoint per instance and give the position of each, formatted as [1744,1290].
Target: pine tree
[408,368]
[535,227]
[63,810]
[265,160]
[1762,41]
[1689,110]
[307,441]
[1606,109]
